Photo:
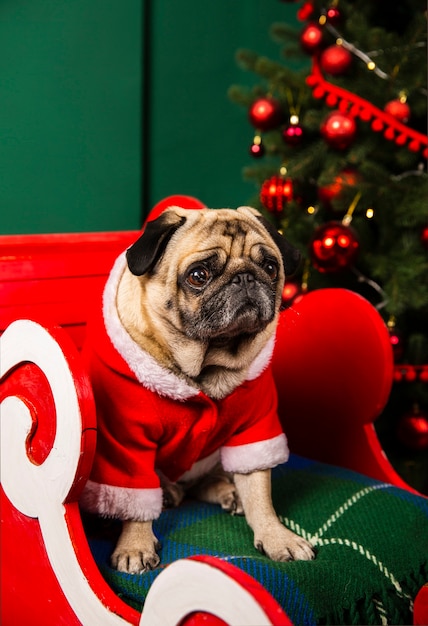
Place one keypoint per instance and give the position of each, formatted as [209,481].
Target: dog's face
[210,277]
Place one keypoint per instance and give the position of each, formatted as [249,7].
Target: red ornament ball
[293,134]
[334,247]
[336,60]
[333,16]
[399,110]
[339,130]
[346,178]
[412,429]
[257,149]
[398,343]
[424,237]
[311,38]
[289,293]
[305,11]
[265,114]
[276,192]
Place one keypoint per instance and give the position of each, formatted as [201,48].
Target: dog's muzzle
[245,305]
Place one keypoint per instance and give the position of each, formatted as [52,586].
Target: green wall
[106,106]
[70,115]
[199,139]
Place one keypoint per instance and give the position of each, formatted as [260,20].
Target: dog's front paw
[134,561]
[136,550]
[284,545]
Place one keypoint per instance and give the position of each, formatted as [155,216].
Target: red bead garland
[412,429]
[404,373]
[345,100]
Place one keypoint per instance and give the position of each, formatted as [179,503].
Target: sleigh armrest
[333,367]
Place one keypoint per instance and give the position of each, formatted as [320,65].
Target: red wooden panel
[56,278]
[64,301]
[420,615]
[77,332]
[33,594]
[45,256]
[32,243]
[51,291]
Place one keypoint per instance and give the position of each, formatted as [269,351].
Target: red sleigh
[49,575]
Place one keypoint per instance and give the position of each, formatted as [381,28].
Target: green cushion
[371,538]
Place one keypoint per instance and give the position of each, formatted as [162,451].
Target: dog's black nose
[244,279]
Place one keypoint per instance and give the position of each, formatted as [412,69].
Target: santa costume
[148,419]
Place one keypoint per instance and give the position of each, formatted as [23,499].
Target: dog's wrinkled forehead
[229,232]
[236,231]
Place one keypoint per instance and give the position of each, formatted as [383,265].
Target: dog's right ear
[143,255]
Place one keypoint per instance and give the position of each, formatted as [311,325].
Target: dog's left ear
[143,255]
[291,256]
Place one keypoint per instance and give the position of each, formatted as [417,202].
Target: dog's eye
[271,269]
[198,276]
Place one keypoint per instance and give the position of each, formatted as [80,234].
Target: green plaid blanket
[371,539]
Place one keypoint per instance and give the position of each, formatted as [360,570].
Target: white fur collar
[146,369]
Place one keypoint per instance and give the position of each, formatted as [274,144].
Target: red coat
[149,419]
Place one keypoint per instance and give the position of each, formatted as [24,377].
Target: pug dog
[179,359]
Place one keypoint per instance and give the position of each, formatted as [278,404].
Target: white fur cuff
[140,505]
[255,456]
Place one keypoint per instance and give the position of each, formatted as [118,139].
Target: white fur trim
[121,502]
[201,468]
[146,369]
[255,456]
[262,360]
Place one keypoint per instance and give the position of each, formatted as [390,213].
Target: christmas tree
[338,159]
